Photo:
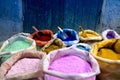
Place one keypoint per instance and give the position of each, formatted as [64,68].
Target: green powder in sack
[17,45]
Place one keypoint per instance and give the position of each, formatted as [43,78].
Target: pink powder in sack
[69,64]
[24,65]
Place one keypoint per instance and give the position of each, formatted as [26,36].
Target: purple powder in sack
[110,34]
[69,64]
[24,65]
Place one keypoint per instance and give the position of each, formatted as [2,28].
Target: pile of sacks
[67,54]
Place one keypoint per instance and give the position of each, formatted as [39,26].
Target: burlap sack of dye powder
[4,57]
[110,69]
[42,37]
[27,75]
[53,55]
[22,36]
[89,35]
[109,33]
[53,45]
[68,36]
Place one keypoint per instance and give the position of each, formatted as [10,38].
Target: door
[48,14]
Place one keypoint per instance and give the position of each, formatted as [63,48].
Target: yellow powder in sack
[108,53]
[50,48]
[88,34]
[117,46]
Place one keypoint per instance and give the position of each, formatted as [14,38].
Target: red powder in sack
[24,65]
[69,64]
[45,38]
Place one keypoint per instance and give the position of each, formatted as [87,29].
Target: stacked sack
[16,43]
[107,53]
[41,37]
[70,64]
[53,44]
[68,36]
[23,65]
[89,36]
[109,33]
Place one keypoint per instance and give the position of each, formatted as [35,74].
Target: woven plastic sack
[27,75]
[70,39]
[83,46]
[109,33]
[53,45]
[110,69]
[89,35]
[53,55]
[42,37]
[21,37]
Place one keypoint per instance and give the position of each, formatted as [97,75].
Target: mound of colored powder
[88,34]
[108,54]
[83,47]
[24,65]
[51,47]
[110,34]
[69,64]
[17,45]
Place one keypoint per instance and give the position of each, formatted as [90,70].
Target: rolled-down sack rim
[52,54]
[22,54]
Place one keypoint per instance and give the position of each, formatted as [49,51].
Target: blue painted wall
[20,15]
[10,18]
[66,13]
[110,17]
